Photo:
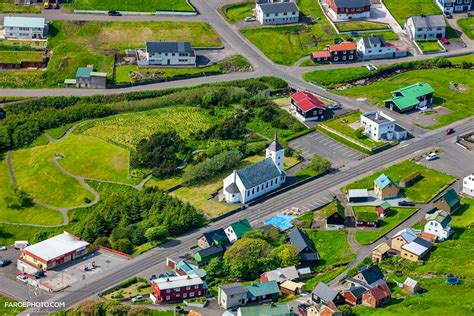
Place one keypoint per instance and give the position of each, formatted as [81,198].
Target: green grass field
[9,6]
[14,57]
[405,9]
[334,77]
[432,182]
[458,102]
[77,43]
[429,46]
[7,310]
[396,216]
[236,12]
[130,5]
[342,125]
[355,26]
[467,26]
[455,256]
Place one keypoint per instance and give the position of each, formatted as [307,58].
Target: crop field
[459,102]
[9,6]
[131,5]
[402,10]
[431,183]
[128,129]
[84,156]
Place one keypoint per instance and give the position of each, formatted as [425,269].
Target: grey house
[305,246]
[324,294]
[426,27]
[272,12]
[232,295]
[19,27]
[167,54]
[86,77]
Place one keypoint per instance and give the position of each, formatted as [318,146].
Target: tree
[102,241]
[156,233]
[123,245]
[319,164]
[217,269]
[40,236]
[137,236]
[248,257]
[288,255]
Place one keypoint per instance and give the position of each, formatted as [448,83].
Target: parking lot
[317,143]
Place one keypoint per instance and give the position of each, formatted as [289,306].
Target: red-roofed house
[377,296]
[345,51]
[349,9]
[307,106]
[321,56]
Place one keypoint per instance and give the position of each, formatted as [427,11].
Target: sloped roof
[324,292]
[22,21]
[451,197]
[241,227]
[293,286]
[441,217]
[357,291]
[168,47]
[84,72]
[328,210]
[258,173]
[372,274]
[371,41]
[354,193]
[382,248]
[408,234]
[428,21]
[278,7]
[56,246]
[410,282]
[321,54]
[300,239]
[265,310]
[385,205]
[265,288]
[342,46]
[209,251]
[352,4]
[380,291]
[409,95]
[282,274]
[217,234]
[307,101]
[232,188]
[382,181]
[275,145]
[233,289]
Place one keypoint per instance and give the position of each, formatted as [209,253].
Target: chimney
[377,115]
[167,279]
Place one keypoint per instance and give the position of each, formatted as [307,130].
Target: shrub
[123,245]
[319,164]
[156,233]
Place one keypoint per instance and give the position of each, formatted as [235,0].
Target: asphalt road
[305,193]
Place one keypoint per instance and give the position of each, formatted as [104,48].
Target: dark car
[449,131]
[38,274]
[405,203]
[5,262]
[114,13]
[449,16]
[302,309]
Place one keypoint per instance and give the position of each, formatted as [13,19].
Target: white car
[432,156]
[22,278]
[138,299]
[250,19]
[3,248]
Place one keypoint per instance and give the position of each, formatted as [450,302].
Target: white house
[255,180]
[426,27]
[19,27]
[272,12]
[379,126]
[375,47]
[167,54]
[468,185]
[438,224]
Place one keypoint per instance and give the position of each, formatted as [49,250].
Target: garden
[9,6]
[237,12]
[431,182]
[355,26]
[405,9]
[130,5]
[467,26]
[16,57]
[429,46]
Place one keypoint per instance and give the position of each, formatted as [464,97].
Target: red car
[449,131]
[444,41]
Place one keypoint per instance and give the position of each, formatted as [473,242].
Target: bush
[319,164]
[123,245]
[156,233]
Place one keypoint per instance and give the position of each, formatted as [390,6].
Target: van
[20,244]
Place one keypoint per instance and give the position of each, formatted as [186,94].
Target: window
[167,297]
[192,295]
[336,58]
[185,295]
[258,189]
[168,290]
[253,190]
[196,286]
[188,288]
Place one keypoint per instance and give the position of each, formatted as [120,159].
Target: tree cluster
[319,164]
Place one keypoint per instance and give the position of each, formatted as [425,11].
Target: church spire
[275,146]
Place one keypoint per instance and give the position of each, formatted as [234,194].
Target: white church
[251,182]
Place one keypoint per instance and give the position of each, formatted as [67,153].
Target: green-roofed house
[449,202]
[329,217]
[237,230]
[438,224]
[415,96]
[263,292]
[266,310]
[86,77]
[383,209]
[365,217]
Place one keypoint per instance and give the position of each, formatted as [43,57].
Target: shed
[411,286]
[358,195]
[292,288]
[383,209]
[380,252]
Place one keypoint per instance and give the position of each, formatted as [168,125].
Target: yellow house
[403,237]
[385,188]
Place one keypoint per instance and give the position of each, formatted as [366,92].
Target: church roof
[275,145]
[258,173]
[232,188]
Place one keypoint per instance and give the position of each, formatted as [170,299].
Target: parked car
[3,248]
[170,273]
[449,16]
[371,67]
[449,131]
[38,274]
[22,278]
[4,262]
[335,106]
[138,298]
[405,203]
[444,41]
[153,277]
[20,244]
[250,19]
[114,13]
[302,309]
[432,156]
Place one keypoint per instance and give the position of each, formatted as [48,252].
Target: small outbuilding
[383,209]
[358,195]
[380,252]
[411,286]
[292,288]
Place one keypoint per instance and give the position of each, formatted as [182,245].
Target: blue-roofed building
[258,179]
[20,27]
[385,188]
[86,77]
[280,221]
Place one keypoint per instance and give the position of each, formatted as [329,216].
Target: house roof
[440,216]
[410,282]
[265,310]
[265,288]
[56,246]
[372,274]
[278,7]
[307,101]
[351,3]
[190,268]
[324,292]
[415,248]
[258,173]
[382,248]
[300,239]
[209,251]
[355,193]
[21,21]
[423,242]
[292,286]
[382,181]
[451,197]
[241,227]
[233,289]
[328,210]
[98,74]
[232,188]
[321,54]
[342,46]
[409,95]
[217,234]
[384,205]
[428,21]
[380,291]
[84,72]
[169,47]
[372,41]
[178,281]
[282,274]
[357,291]
[408,234]
[365,216]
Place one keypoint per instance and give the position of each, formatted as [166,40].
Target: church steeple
[276,152]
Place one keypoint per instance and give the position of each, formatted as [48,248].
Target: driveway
[317,143]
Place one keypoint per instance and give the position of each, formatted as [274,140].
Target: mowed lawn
[402,10]
[35,214]
[9,6]
[132,5]
[458,102]
[128,129]
[84,156]
[360,26]
[19,56]
[429,46]
[467,26]
[455,256]
[431,183]
[78,43]
[396,216]
[238,11]
[331,78]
